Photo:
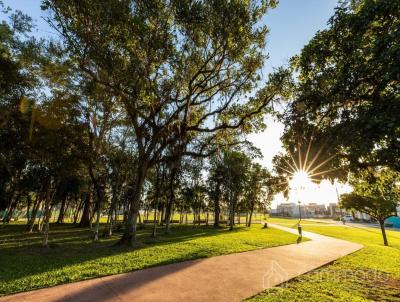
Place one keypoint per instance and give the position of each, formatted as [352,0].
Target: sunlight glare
[300,180]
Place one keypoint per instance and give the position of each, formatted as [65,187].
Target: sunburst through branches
[301,172]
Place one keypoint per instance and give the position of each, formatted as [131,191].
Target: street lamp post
[299,226]
[299,211]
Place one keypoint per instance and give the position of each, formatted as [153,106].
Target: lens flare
[299,180]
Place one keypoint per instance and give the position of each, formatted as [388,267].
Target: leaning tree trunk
[382,224]
[78,209]
[60,218]
[251,215]
[11,209]
[35,209]
[129,236]
[85,219]
[9,204]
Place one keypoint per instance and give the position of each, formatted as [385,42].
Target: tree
[376,193]
[257,189]
[215,181]
[18,83]
[347,89]
[180,69]
[235,174]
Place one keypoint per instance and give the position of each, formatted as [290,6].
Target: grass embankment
[24,265]
[371,274]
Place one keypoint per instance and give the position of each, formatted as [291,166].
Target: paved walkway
[230,278]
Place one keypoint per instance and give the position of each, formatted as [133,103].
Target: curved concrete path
[230,278]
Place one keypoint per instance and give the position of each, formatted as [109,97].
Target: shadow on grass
[21,257]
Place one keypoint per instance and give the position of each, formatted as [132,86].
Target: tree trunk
[41,217]
[170,203]
[232,216]
[382,224]
[110,220]
[129,236]
[154,233]
[217,212]
[217,208]
[199,216]
[162,216]
[32,218]
[62,210]
[85,219]
[47,213]
[251,215]
[9,204]
[78,209]
[96,229]
[28,208]
[13,205]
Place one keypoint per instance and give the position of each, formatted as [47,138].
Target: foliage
[376,193]
[347,91]
[24,265]
[182,72]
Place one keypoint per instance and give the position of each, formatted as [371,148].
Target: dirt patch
[390,282]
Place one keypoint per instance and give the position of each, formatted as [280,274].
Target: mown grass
[371,274]
[292,222]
[24,265]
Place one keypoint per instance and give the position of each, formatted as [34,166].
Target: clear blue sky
[292,24]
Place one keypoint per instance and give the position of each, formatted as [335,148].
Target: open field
[371,274]
[24,265]
[292,222]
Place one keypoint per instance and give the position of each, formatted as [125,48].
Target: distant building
[334,210]
[287,209]
[315,210]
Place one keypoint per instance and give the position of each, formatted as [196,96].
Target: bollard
[300,230]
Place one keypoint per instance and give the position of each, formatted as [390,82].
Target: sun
[300,180]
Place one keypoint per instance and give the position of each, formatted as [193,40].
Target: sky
[292,24]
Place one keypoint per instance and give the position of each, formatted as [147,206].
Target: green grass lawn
[371,274]
[24,265]
[292,222]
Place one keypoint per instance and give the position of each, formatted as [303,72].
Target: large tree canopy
[348,85]
[183,70]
